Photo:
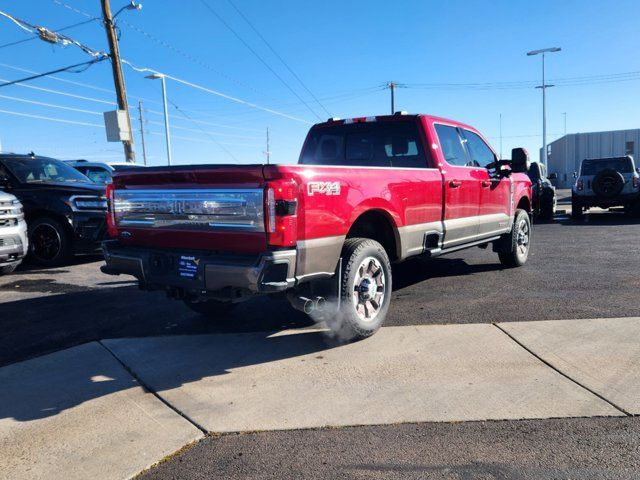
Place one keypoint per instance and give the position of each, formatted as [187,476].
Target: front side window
[451,145]
[480,153]
[369,144]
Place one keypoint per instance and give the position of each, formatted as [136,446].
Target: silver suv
[13,233]
[605,183]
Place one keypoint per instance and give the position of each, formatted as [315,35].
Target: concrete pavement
[80,413]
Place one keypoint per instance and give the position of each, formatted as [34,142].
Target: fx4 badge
[323,188]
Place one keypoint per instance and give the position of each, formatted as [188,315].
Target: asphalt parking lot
[577,270]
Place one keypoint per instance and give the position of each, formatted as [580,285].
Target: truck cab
[366,193]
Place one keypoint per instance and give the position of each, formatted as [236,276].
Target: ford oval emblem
[126,234]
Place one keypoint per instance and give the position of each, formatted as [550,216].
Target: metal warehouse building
[565,154]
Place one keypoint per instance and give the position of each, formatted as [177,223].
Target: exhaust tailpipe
[303,304]
[319,303]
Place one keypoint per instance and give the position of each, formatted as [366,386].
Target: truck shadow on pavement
[49,385]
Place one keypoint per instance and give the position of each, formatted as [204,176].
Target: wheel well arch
[41,213]
[524,204]
[377,225]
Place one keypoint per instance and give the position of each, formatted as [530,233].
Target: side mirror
[520,160]
[575,175]
[5,182]
[553,176]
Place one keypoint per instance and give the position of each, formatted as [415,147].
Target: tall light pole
[155,76]
[544,87]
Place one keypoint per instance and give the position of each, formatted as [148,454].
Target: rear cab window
[393,144]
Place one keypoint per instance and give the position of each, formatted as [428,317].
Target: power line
[52,119]
[188,56]
[216,141]
[214,92]
[64,69]
[58,92]
[58,30]
[278,56]
[206,4]
[51,36]
[50,105]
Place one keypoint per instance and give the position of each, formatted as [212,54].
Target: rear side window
[370,144]
[480,153]
[451,145]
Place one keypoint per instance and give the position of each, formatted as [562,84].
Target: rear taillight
[281,220]
[580,185]
[111,216]
[635,182]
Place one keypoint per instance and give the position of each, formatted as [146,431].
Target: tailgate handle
[455,183]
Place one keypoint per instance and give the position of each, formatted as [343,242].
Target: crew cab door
[494,213]
[461,188]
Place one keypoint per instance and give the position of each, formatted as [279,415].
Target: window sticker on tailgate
[188,266]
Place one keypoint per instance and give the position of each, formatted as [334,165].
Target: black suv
[65,211]
[543,192]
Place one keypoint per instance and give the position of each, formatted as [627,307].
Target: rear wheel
[577,212]
[515,245]
[365,289]
[49,242]
[213,309]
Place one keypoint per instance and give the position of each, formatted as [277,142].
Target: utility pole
[500,136]
[392,87]
[544,87]
[118,79]
[144,147]
[268,151]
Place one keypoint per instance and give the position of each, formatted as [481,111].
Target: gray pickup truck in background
[605,183]
[14,242]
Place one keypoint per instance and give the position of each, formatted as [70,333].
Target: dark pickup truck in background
[366,192]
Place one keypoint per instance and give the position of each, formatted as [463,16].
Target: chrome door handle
[486,183]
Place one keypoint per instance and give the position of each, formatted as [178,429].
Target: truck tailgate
[214,208]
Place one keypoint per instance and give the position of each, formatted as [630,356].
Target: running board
[436,252]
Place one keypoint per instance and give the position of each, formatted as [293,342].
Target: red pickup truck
[366,193]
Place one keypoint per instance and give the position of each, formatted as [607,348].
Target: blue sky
[342,50]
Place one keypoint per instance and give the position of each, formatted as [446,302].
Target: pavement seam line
[591,391]
[148,389]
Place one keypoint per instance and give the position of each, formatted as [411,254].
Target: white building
[565,154]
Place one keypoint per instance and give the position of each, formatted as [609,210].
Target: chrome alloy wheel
[369,289]
[522,237]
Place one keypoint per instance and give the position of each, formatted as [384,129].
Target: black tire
[547,210]
[365,290]
[515,246]
[213,309]
[50,243]
[608,183]
[577,212]
[7,269]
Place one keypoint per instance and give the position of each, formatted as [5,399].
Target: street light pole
[162,77]
[544,87]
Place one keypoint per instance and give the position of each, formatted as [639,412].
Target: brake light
[580,185]
[111,216]
[281,204]
[635,182]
